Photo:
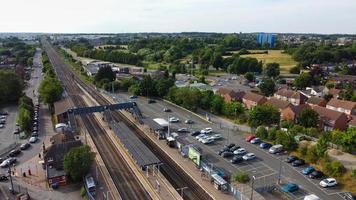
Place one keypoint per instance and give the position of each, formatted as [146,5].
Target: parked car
[200,136]
[265,145]
[227,154]
[316,174]
[14,152]
[240,151]
[25,146]
[203,138]
[249,138]
[182,130]
[249,156]
[308,170]
[195,133]
[151,101]
[236,159]
[207,140]
[188,121]
[328,182]
[166,110]
[221,152]
[230,145]
[173,119]
[7,162]
[33,139]
[255,141]
[133,97]
[298,162]
[290,187]
[311,197]
[232,149]
[348,196]
[4,113]
[207,130]
[276,149]
[216,137]
[34,134]
[290,159]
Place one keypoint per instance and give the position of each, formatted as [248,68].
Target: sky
[228,16]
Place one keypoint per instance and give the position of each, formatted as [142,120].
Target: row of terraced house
[333,114]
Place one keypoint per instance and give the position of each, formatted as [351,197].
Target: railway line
[170,170]
[124,179]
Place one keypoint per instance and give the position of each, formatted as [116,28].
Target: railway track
[170,169]
[124,179]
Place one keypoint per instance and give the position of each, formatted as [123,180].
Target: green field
[285,60]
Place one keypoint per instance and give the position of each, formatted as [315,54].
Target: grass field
[285,60]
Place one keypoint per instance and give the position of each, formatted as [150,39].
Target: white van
[276,148]
[90,183]
[311,197]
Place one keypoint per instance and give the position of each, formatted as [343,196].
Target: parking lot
[7,138]
[265,167]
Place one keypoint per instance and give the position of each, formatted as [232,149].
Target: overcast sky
[117,16]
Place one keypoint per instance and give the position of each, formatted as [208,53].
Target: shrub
[241,177]
[272,133]
[303,150]
[261,132]
[334,168]
[312,155]
[354,173]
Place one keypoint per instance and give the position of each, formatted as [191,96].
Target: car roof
[331,179]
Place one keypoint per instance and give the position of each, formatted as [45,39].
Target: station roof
[139,151]
[152,124]
[62,106]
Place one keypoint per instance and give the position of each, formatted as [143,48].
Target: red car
[250,137]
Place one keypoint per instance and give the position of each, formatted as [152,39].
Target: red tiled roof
[337,103]
[315,100]
[290,94]
[327,113]
[299,108]
[278,103]
[253,97]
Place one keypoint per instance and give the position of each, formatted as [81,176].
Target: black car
[4,113]
[230,145]
[232,149]
[225,148]
[166,110]
[221,152]
[316,174]
[25,146]
[236,159]
[14,153]
[290,159]
[227,154]
[195,133]
[298,162]
[151,101]
[3,178]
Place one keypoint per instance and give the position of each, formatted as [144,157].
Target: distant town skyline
[227,16]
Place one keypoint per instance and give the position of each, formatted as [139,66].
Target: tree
[267,87]
[50,90]
[249,76]
[77,162]
[294,70]
[272,69]
[11,87]
[308,118]
[162,86]
[105,73]
[266,115]
[303,149]
[25,119]
[322,145]
[135,89]
[262,132]
[287,140]
[334,168]
[272,133]
[302,81]
[217,60]
[348,141]
[217,104]
[232,109]
[312,155]
[241,177]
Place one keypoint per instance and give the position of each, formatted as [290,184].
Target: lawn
[285,60]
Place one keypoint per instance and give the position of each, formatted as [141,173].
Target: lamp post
[253,181]
[279,171]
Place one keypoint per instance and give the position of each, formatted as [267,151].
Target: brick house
[352,123]
[53,160]
[280,104]
[291,113]
[230,95]
[347,107]
[294,97]
[330,119]
[316,101]
[251,100]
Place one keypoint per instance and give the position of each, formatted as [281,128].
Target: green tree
[135,89]
[308,118]
[294,70]
[11,87]
[25,119]
[272,69]
[322,145]
[286,140]
[104,73]
[334,168]
[303,149]
[272,132]
[312,154]
[267,87]
[77,162]
[348,141]
[217,104]
[302,81]
[241,177]
[232,109]
[261,132]
[266,115]
[249,76]
[162,86]
[50,90]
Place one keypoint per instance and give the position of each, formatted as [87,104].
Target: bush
[303,150]
[312,155]
[334,168]
[241,177]
[262,132]
[294,70]
[354,173]
[272,133]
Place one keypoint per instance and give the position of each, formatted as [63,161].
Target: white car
[173,119]
[207,130]
[203,138]
[216,137]
[207,141]
[200,136]
[33,139]
[249,156]
[240,151]
[7,162]
[329,182]
[2,126]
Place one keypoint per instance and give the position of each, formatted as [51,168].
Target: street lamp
[280,170]
[253,181]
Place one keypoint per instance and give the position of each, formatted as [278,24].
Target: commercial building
[266,38]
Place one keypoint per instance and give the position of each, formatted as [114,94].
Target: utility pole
[12,184]
[279,171]
[253,181]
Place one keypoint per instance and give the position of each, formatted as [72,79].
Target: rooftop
[280,104]
[253,97]
[337,103]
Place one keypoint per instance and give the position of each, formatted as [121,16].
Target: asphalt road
[265,168]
